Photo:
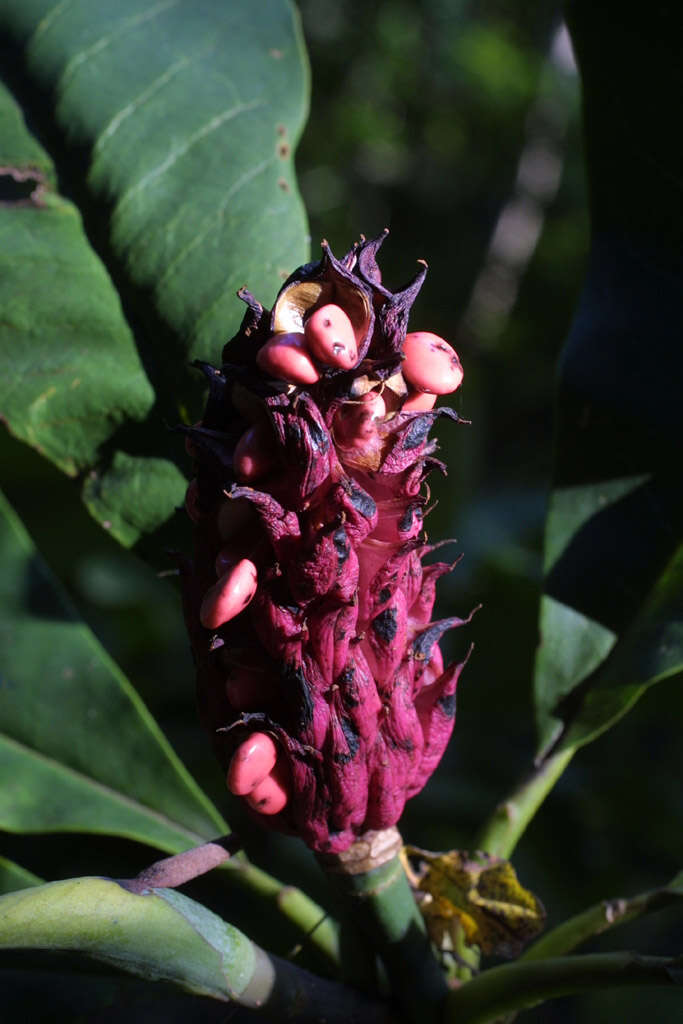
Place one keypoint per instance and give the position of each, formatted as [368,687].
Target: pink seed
[226,558]
[356,422]
[418,401]
[253,456]
[247,690]
[331,338]
[431,364]
[251,763]
[286,357]
[192,501]
[230,595]
[190,446]
[271,795]
[233,516]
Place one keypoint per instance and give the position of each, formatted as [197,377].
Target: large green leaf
[161,935]
[173,126]
[69,370]
[13,876]
[78,749]
[610,617]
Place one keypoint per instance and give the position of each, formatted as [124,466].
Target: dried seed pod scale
[309,607]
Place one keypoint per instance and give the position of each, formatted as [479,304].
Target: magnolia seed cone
[308,503]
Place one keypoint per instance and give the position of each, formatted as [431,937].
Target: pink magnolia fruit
[330,337]
[418,401]
[253,456]
[320,678]
[271,795]
[192,501]
[253,760]
[356,422]
[230,595]
[286,357]
[431,364]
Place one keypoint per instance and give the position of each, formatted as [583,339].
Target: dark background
[456,125]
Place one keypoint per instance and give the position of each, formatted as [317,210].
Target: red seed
[271,795]
[331,338]
[418,401]
[251,763]
[230,595]
[431,364]
[247,690]
[190,446]
[253,456]
[356,422]
[233,516]
[225,559]
[192,501]
[286,357]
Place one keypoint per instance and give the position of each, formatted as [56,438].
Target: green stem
[316,926]
[601,918]
[518,986]
[505,827]
[382,902]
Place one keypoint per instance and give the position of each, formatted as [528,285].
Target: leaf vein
[216,219]
[176,154]
[101,44]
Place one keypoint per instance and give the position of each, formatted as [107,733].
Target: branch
[505,827]
[316,926]
[162,935]
[518,986]
[601,918]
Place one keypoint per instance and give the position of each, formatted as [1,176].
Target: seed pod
[329,651]
[253,760]
[230,595]
[253,456]
[330,337]
[418,401]
[271,795]
[356,423]
[431,364]
[286,357]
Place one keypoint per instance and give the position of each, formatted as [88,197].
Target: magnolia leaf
[648,652]
[70,374]
[615,521]
[161,935]
[79,751]
[13,876]
[479,894]
[172,127]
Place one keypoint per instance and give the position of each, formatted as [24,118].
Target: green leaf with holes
[78,749]
[171,126]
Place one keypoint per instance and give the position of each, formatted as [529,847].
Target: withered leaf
[477,893]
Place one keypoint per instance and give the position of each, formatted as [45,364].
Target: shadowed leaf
[615,525]
[13,876]
[78,749]
[173,127]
